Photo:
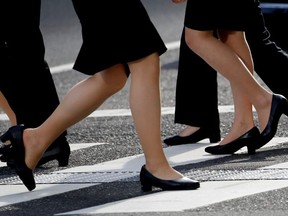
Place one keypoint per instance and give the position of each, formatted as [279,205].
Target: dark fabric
[218,14]
[25,80]
[270,60]
[196,90]
[114,32]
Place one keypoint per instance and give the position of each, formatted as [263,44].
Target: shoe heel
[6,136]
[285,109]
[214,138]
[146,187]
[251,150]
[63,160]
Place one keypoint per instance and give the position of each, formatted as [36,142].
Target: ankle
[188,130]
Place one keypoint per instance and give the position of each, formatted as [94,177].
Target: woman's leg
[145,105]
[87,96]
[7,109]
[192,72]
[243,116]
[80,101]
[228,63]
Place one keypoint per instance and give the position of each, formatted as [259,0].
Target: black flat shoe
[279,106]
[197,136]
[59,150]
[249,139]
[148,180]
[15,135]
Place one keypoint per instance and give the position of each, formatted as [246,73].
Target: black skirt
[206,15]
[114,31]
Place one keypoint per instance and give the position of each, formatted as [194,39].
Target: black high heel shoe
[249,139]
[195,137]
[148,180]
[59,150]
[279,106]
[15,135]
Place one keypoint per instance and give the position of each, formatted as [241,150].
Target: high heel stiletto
[15,135]
[249,139]
[195,137]
[148,180]
[279,106]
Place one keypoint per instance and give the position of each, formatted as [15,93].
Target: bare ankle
[188,130]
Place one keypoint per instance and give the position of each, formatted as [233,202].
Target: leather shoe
[195,137]
[148,180]
[59,150]
[15,135]
[249,139]
[279,106]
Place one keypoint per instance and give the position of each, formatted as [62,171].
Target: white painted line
[11,194]
[177,155]
[127,112]
[208,193]
[171,201]
[173,45]
[62,68]
[77,146]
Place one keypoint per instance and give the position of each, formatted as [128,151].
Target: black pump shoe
[15,135]
[5,149]
[148,180]
[279,106]
[195,137]
[59,150]
[249,139]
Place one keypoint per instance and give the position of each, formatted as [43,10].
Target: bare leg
[243,116]
[89,94]
[188,130]
[228,63]
[80,101]
[146,110]
[7,109]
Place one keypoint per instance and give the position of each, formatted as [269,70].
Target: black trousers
[25,78]
[196,87]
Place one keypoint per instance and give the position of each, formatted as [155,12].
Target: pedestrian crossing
[159,202]
[13,192]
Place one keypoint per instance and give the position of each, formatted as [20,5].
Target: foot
[59,150]
[249,139]
[149,180]
[188,131]
[33,150]
[193,135]
[25,172]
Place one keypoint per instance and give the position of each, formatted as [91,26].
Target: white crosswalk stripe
[164,201]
